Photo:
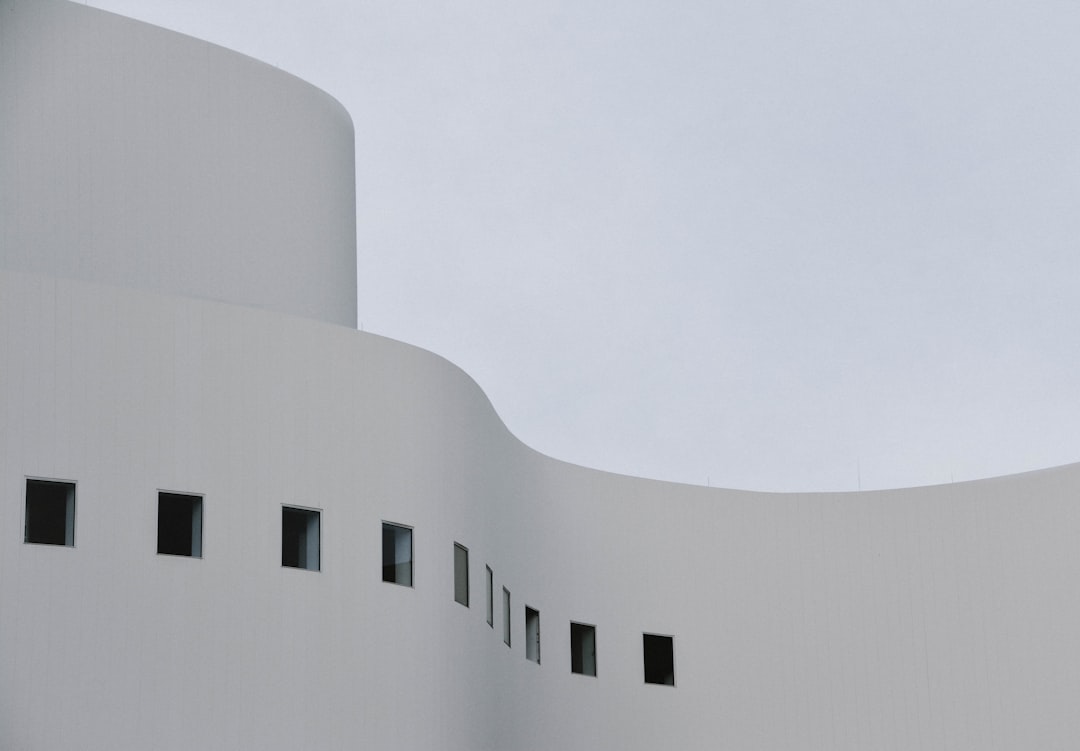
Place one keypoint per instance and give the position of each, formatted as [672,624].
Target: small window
[506,616]
[532,634]
[300,538]
[461,574]
[490,596]
[659,652]
[50,513]
[397,559]
[179,525]
[582,649]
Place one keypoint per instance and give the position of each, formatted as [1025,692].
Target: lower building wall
[941,617]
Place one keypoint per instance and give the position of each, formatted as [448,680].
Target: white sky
[773,245]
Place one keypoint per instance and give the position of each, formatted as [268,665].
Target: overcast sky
[768,245]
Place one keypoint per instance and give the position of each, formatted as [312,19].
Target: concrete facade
[938,617]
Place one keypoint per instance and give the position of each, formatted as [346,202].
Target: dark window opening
[506,616]
[582,649]
[659,653]
[461,574]
[532,634]
[397,554]
[300,538]
[490,597]
[179,530]
[50,513]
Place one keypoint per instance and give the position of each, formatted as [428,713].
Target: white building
[207,476]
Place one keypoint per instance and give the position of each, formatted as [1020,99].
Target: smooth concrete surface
[928,618]
[136,156]
[941,617]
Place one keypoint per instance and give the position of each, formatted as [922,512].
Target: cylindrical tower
[136,156]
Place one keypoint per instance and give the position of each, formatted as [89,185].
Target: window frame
[199,511]
[532,634]
[575,657]
[70,510]
[507,621]
[412,554]
[311,512]
[490,575]
[459,548]
[644,655]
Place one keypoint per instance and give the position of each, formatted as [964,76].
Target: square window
[490,597]
[300,538]
[659,652]
[50,513]
[397,557]
[461,574]
[532,634]
[179,524]
[506,616]
[582,649]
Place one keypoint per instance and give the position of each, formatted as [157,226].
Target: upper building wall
[136,156]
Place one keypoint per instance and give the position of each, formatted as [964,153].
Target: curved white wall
[136,156]
[940,617]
